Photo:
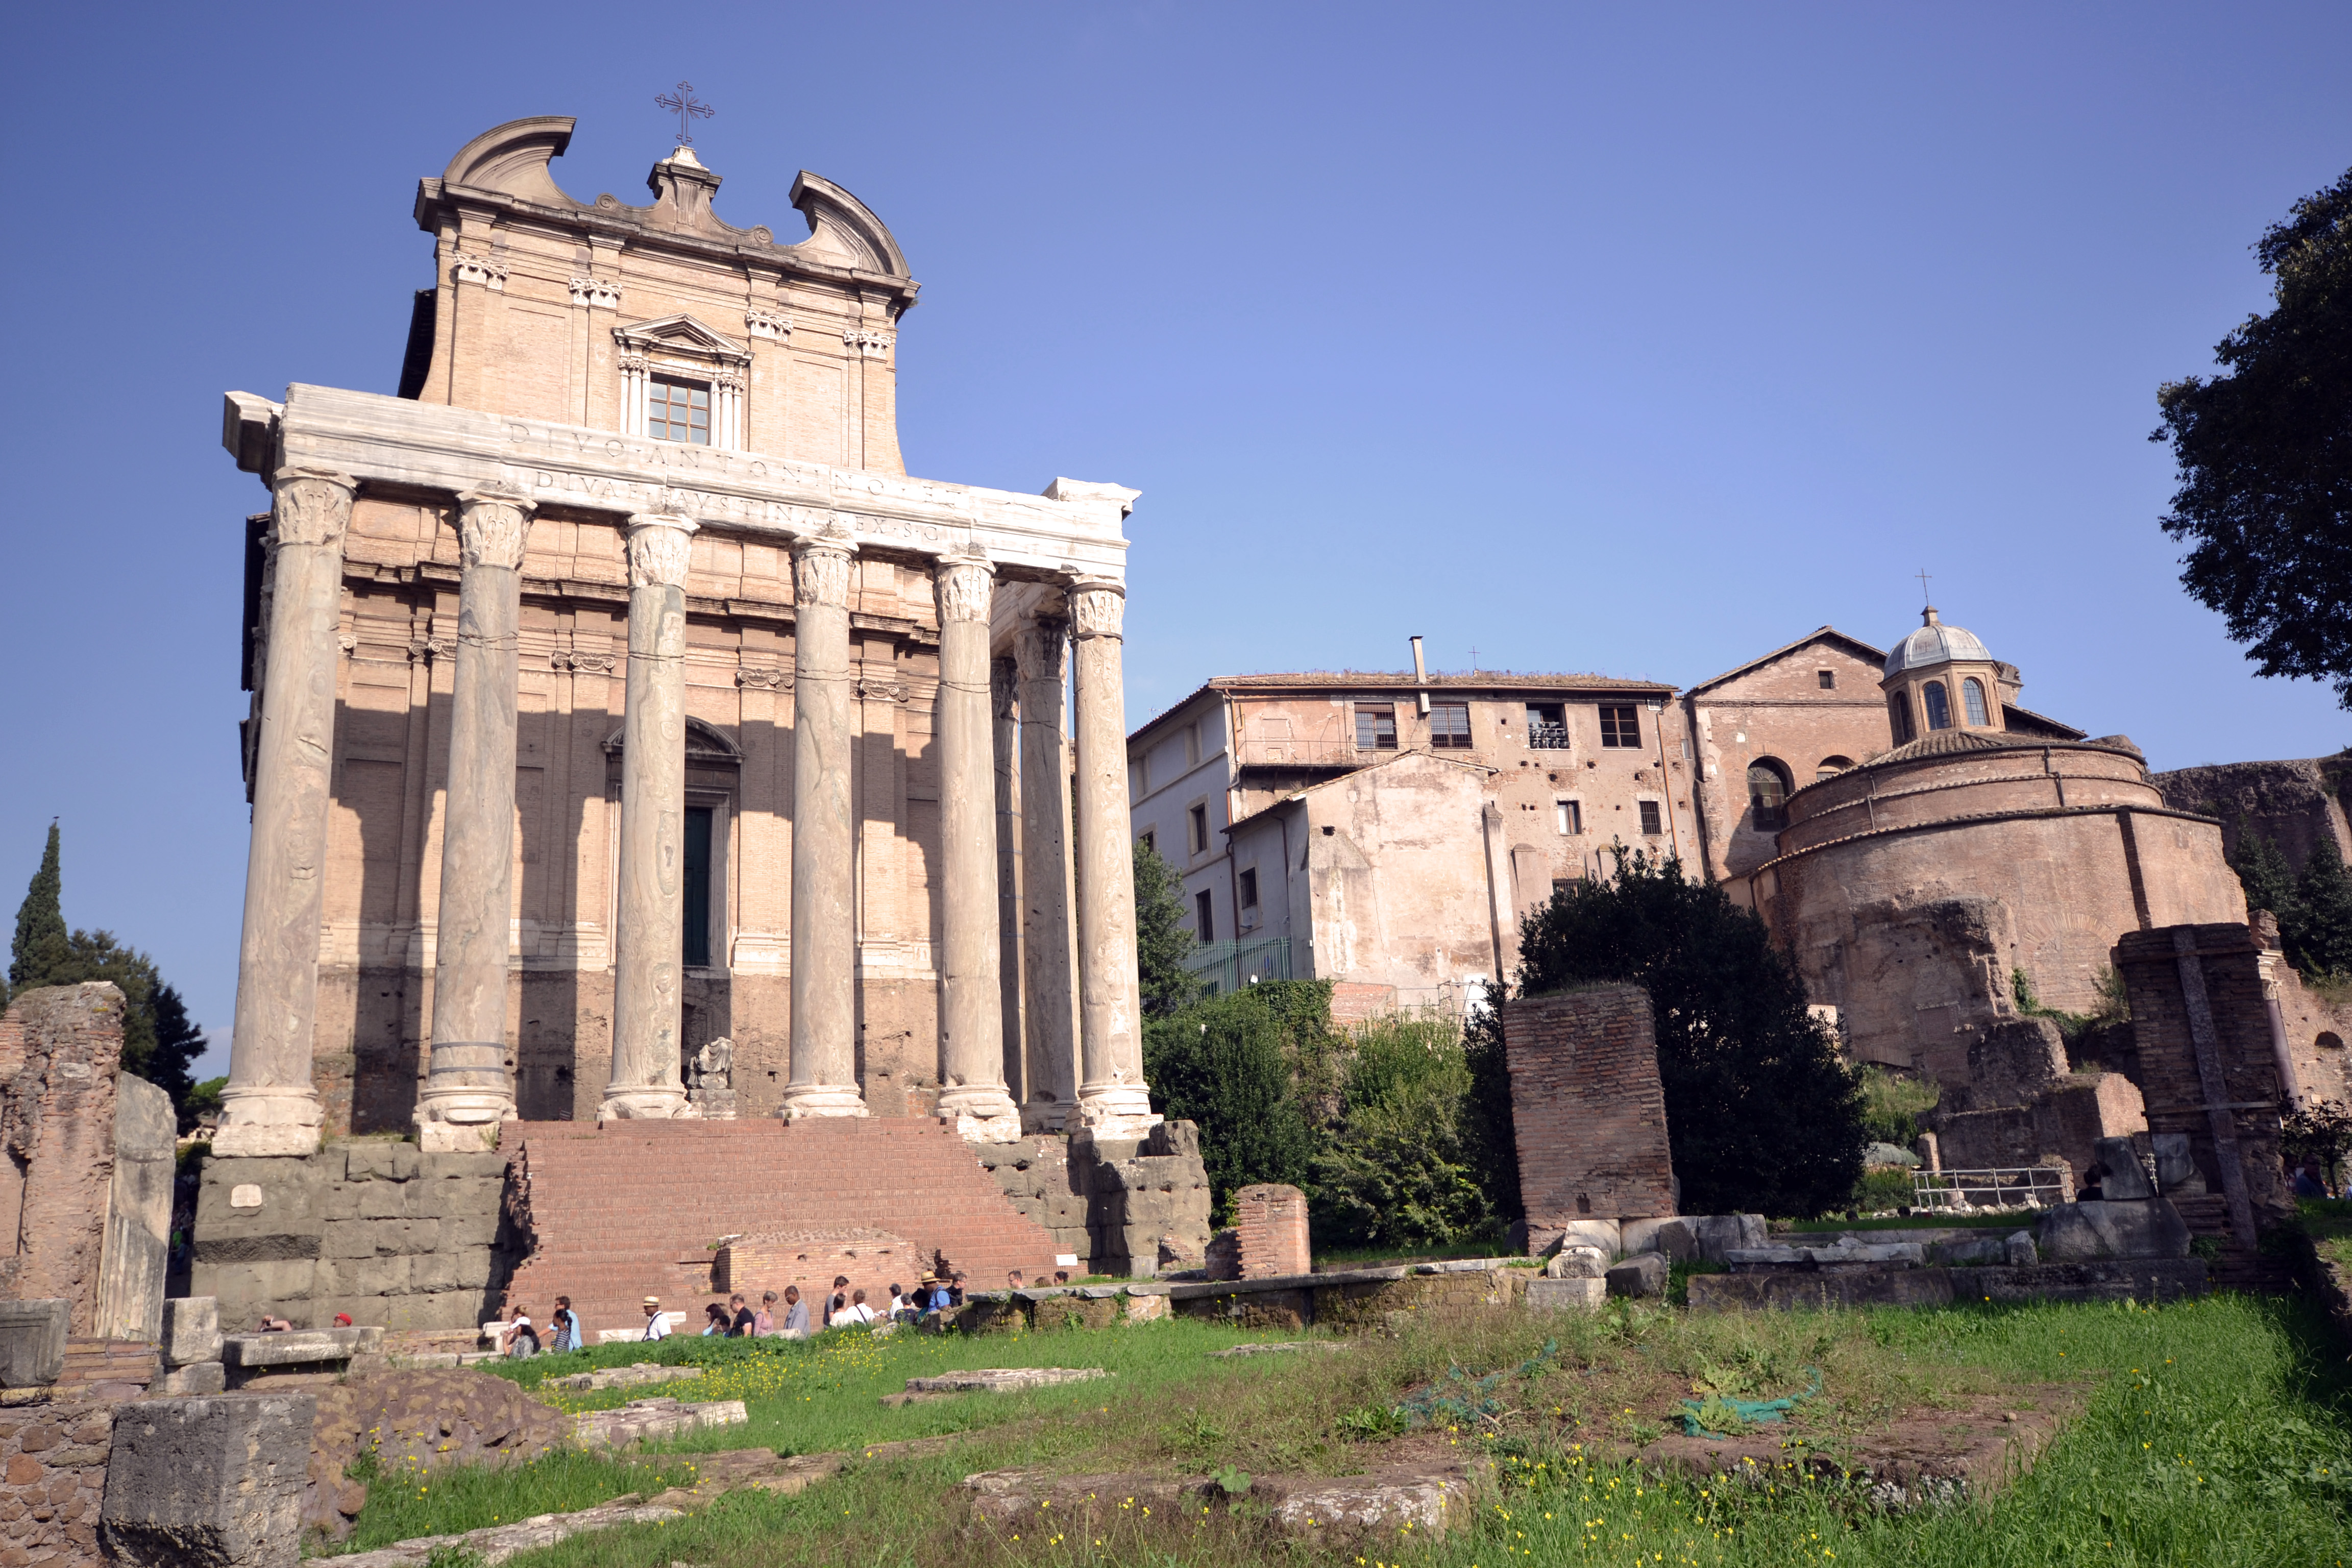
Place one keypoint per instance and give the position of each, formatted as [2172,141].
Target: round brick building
[1908,888]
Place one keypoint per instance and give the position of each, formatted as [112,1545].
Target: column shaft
[1004,733]
[467,1092]
[823,1077]
[648,953]
[270,1105]
[1112,1098]
[1040,647]
[971,1022]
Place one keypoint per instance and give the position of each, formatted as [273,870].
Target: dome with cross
[1936,643]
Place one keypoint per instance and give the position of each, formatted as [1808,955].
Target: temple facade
[615,692]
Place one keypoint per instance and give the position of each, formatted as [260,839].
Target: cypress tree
[41,954]
[1161,941]
[2321,941]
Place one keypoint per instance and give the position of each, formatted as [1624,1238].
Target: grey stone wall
[396,1237]
[1111,1203]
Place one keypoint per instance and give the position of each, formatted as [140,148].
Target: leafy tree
[1762,1113]
[40,950]
[159,1041]
[1489,1137]
[1397,1169]
[2264,455]
[1232,1063]
[1161,940]
[2320,1127]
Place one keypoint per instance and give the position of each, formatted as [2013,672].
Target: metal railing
[1547,737]
[1223,966]
[2006,1187]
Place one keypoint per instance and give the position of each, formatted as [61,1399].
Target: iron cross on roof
[688,107]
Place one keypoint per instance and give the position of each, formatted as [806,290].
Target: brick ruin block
[60,1054]
[1270,1233]
[872,1260]
[2208,1069]
[1590,1112]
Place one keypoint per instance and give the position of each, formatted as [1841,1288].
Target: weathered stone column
[1039,647]
[467,1092]
[647,951]
[972,1021]
[1111,1094]
[269,1106]
[1005,763]
[824,1079]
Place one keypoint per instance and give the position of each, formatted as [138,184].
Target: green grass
[2214,1433]
[2328,1223]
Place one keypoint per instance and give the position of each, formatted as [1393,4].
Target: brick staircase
[626,1210]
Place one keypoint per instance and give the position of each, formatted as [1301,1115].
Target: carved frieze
[310,506]
[750,679]
[596,293]
[580,662]
[870,691]
[965,585]
[1097,608]
[492,528]
[659,548]
[820,573]
[487,270]
[773,325]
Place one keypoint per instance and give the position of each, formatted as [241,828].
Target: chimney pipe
[1420,675]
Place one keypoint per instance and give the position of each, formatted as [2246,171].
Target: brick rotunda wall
[1589,1108]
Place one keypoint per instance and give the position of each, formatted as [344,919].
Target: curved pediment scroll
[842,225]
[513,158]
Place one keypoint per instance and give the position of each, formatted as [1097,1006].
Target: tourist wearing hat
[657,1326]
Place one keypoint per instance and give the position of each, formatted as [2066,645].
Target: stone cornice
[1073,532]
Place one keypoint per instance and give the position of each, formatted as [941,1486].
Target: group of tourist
[787,1317]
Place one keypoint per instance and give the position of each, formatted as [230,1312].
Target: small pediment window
[682,381]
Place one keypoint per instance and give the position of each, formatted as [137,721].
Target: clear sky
[1630,339]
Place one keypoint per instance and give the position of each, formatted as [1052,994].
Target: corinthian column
[823,1077]
[1111,1094]
[270,1106]
[467,1092]
[648,954]
[1038,647]
[971,1017]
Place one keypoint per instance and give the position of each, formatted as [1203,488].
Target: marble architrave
[1073,530]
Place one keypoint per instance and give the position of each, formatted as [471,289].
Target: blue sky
[1637,339]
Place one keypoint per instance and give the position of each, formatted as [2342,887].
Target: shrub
[1397,1169]
[1233,1064]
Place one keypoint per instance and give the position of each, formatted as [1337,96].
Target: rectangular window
[1828,678]
[1621,726]
[1651,823]
[679,411]
[1563,885]
[1898,715]
[1449,724]
[1375,727]
[1547,727]
[697,926]
[1249,888]
[1199,817]
[1151,840]
[1204,921]
[1568,815]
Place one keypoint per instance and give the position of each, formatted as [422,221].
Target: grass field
[2215,1432]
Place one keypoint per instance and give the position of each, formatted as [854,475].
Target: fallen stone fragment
[1567,1295]
[622,1377]
[1003,1380]
[1272,1346]
[645,1420]
[1405,1501]
[1642,1276]
[208,1481]
[495,1544]
[1578,1260]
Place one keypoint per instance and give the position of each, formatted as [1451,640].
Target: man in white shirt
[857,1311]
[656,1325]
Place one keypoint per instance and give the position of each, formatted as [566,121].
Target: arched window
[2329,1040]
[1767,794]
[1831,767]
[1972,694]
[1898,716]
[1939,707]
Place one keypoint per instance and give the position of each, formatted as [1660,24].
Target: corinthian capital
[310,506]
[491,525]
[1039,645]
[965,584]
[659,544]
[820,572]
[1097,607]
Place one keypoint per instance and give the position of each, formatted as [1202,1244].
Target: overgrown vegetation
[2314,908]
[1762,1113]
[2113,1005]
[2211,1435]
[159,1040]
[1891,1104]
[2320,1127]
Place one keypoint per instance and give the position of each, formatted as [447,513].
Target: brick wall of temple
[1589,1108]
[53,1457]
[1270,1227]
